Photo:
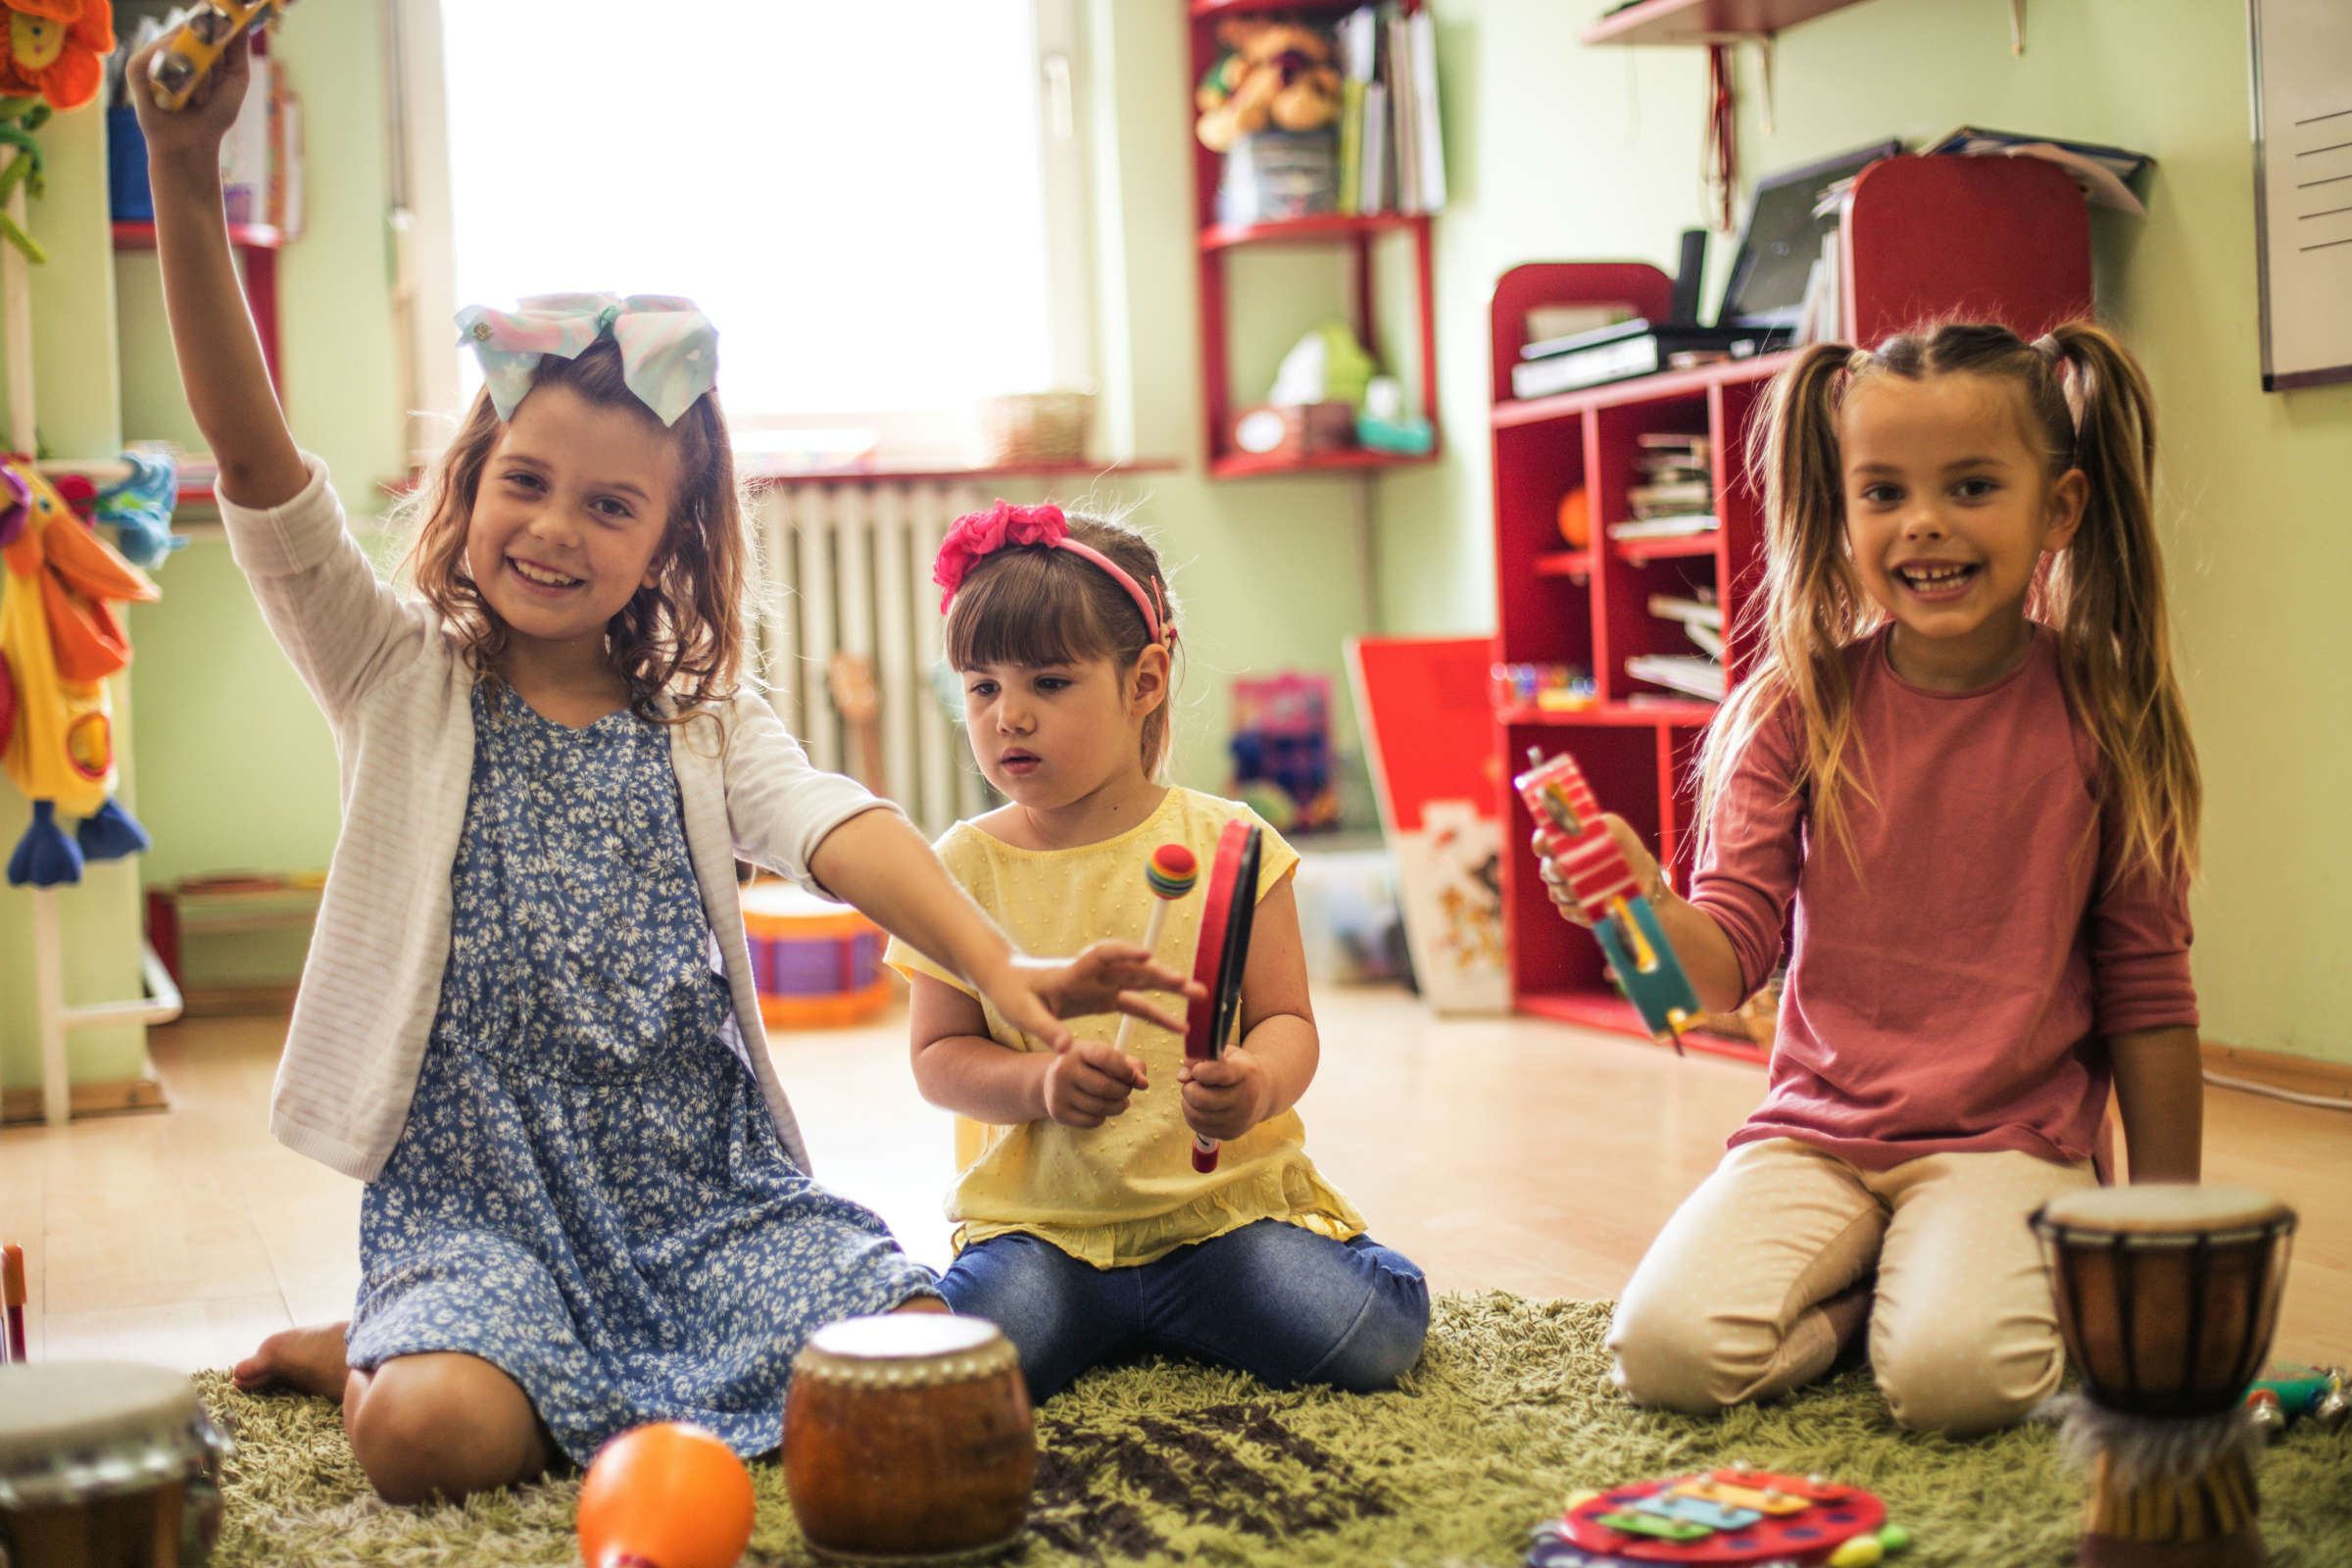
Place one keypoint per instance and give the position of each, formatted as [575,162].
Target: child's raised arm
[219,357]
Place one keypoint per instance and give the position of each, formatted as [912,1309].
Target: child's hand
[1226,1096]
[1108,977]
[1090,1083]
[1644,865]
[194,130]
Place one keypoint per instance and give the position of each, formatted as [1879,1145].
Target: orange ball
[1576,519]
[665,1496]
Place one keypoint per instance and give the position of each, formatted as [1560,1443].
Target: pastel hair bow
[669,349]
[978,534]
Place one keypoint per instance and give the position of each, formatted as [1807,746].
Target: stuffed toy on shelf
[1274,75]
[59,642]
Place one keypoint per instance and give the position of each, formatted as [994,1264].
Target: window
[877,205]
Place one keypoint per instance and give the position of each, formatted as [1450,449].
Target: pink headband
[1003,527]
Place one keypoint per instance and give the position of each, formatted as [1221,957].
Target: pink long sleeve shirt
[1951,995]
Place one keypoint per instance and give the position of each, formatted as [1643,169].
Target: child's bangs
[1025,607]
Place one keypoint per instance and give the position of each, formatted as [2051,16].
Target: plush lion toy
[1273,74]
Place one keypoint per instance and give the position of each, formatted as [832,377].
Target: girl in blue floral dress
[527,1019]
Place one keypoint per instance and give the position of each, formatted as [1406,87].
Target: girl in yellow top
[1084,1231]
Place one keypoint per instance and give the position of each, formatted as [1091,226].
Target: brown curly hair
[682,638]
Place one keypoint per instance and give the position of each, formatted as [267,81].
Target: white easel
[48,946]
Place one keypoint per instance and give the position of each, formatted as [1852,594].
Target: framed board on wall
[2302,71]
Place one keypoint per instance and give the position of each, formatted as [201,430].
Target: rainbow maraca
[1170,872]
[1173,871]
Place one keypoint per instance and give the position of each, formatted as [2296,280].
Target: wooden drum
[2167,1291]
[2167,1295]
[817,964]
[908,1438]
[106,1465]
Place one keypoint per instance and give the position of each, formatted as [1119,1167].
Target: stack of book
[1677,493]
[1391,156]
[1700,618]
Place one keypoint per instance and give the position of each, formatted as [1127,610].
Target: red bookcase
[1995,237]
[1217,244]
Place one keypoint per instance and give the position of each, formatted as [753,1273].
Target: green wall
[1557,151]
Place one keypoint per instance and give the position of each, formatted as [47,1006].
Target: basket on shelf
[1024,427]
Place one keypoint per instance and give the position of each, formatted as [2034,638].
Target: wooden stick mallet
[1171,872]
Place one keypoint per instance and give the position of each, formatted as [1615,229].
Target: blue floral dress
[589,1192]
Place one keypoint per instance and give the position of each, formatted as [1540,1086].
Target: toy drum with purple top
[816,963]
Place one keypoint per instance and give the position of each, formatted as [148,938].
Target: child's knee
[1383,1343]
[1966,1380]
[433,1426]
[1677,1354]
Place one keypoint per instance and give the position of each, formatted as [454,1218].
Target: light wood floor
[1509,1153]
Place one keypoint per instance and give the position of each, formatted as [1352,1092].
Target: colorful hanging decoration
[59,642]
[56,49]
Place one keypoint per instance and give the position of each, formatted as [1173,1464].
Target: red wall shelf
[1987,237]
[1695,22]
[1357,232]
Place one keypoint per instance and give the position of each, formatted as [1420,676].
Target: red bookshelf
[1358,234]
[2005,238]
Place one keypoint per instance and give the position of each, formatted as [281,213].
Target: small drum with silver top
[908,1439]
[106,1465]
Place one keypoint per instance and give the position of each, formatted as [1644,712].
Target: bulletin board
[2302,58]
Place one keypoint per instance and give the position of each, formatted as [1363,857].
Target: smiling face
[1949,510]
[569,520]
[1051,736]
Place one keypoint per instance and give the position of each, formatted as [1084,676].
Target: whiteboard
[2302,53]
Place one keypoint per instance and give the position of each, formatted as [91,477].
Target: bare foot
[307,1360]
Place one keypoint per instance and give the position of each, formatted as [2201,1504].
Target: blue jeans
[1272,1299]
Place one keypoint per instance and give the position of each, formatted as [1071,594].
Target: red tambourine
[1230,906]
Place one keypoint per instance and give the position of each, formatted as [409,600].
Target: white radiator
[847,568]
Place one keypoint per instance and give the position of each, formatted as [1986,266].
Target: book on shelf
[2104,172]
[1674,526]
[1683,672]
[1691,611]
[1708,639]
[1375,173]
[1643,352]
[1419,80]
[1670,496]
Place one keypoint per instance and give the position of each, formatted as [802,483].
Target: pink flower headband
[977,534]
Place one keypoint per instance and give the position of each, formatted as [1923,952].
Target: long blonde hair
[2104,596]
[684,637]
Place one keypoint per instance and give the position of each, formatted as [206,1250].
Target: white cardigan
[392,684]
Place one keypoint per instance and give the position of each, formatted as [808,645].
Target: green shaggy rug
[1509,1412]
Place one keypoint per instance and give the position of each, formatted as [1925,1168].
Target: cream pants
[1765,1271]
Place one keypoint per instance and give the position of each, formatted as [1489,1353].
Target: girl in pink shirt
[1960,778]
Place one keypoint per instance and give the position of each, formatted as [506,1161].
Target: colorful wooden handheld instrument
[1170,873]
[2167,1294]
[1222,955]
[1576,841]
[1726,1518]
[665,1496]
[179,67]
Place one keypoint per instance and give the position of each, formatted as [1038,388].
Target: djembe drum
[908,1438]
[2167,1295]
[106,1465]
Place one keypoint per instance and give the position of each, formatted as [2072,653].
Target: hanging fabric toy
[59,642]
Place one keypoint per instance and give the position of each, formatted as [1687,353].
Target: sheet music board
[2302,56]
